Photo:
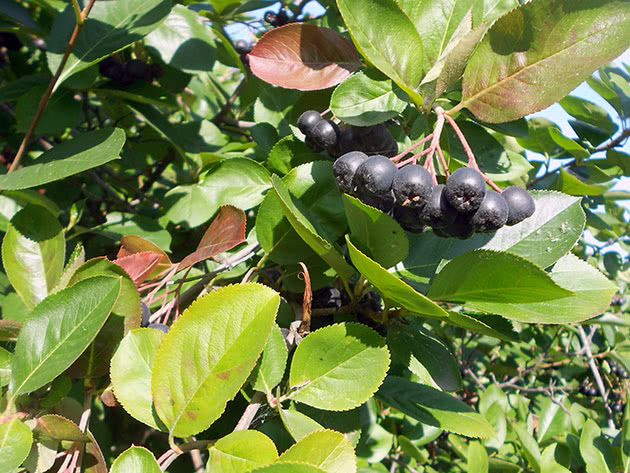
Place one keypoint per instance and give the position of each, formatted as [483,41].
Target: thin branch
[250,411]
[51,86]
[614,143]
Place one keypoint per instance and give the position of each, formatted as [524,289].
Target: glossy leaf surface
[135,460]
[326,449]
[241,451]
[15,443]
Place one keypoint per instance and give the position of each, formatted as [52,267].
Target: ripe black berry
[374,177]
[412,186]
[242,47]
[325,133]
[465,190]
[138,70]
[617,407]
[437,212]
[161,327]
[111,69]
[307,121]
[271,18]
[409,218]
[345,167]
[311,144]
[10,41]
[491,214]
[145,315]
[327,298]
[460,228]
[520,204]
[591,392]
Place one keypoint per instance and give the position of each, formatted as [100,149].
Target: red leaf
[139,265]
[132,244]
[225,232]
[303,57]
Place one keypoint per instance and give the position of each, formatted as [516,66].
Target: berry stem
[472,162]
[428,165]
[413,159]
[440,154]
[325,112]
[411,148]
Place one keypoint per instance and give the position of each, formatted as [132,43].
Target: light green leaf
[548,463]
[367,98]
[492,276]
[241,452]
[377,233]
[87,151]
[477,461]
[184,41]
[592,295]
[42,456]
[15,444]
[208,354]
[528,445]
[625,440]
[588,112]
[307,231]
[135,460]
[326,449]
[271,366]
[58,330]
[297,424]
[569,183]
[486,324]
[5,366]
[130,373]
[433,407]
[239,182]
[411,340]
[595,449]
[33,252]
[338,367]
[294,467]
[570,146]
[59,428]
[289,153]
[391,287]
[521,65]
[110,27]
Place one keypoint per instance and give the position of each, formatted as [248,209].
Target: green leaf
[391,287]
[15,444]
[433,407]
[289,153]
[241,452]
[208,354]
[595,449]
[42,456]
[486,324]
[299,425]
[272,364]
[135,460]
[33,252]
[88,151]
[521,65]
[5,366]
[59,428]
[58,330]
[592,295]
[184,41]
[128,302]
[528,445]
[548,463]
[411,340]
[313,191]
[588,112]
[493,276]
[387,37]
[543,239]
[307,231]
[367,98]
[120,224]
[569,183]
[378,234]
[130,373]
[110,27]
[294,467]
[326,449]
[62,111]
[239,182]
[477,461]
[570,146]
[338,367]
[625,440]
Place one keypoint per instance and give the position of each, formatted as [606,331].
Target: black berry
[491,214]
[10,41]
[520,204]
[161,327]
[591,392]
[460,228]
[271,18]
[437,212]
[409,218]
[374,177]
[617,407]
[111,69]
[138,70]
[412,186]
[242,47]
[307,121]
[345,167]
[311,144]
[465,190]
[327,298]
[325,133]
[145,315]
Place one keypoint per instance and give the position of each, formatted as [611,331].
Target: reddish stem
[325,112]
[443,161]
[413,159]
[472,162]
[411,148]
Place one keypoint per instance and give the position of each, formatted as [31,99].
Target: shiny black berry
[345,167]
[465,190]
[520,204]
[271,18]
[307,121]
[460,228]
[412,186]
[374,177]
[242,47]
[492,214]
[325,133]
[437,212]
[409,218]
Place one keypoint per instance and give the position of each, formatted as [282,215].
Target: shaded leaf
[59,428]
[304,57]
[595,449]
[270,368]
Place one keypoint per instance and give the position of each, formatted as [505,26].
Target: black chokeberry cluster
[323,134]
[125,74]
[10,41]
[618,370]
[145,321]
[277,19]
[456,209]
[243,48]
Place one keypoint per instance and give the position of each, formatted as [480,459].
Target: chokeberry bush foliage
[336,243]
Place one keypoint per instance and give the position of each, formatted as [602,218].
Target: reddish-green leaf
[139,265]
[538,53]
[60,428]
[304,57]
